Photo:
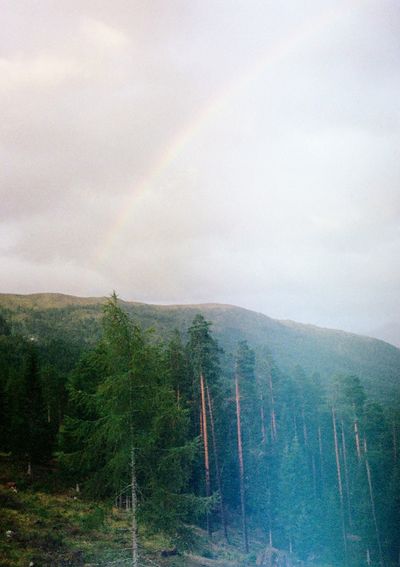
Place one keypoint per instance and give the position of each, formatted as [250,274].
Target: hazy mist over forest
[199,241]
[183,152]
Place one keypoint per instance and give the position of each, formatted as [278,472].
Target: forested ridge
[179,432]
[76,322]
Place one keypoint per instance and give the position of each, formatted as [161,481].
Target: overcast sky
[177,151]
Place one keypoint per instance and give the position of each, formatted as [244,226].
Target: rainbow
[206,115]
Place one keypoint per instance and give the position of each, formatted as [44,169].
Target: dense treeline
[77,322]
[179,433]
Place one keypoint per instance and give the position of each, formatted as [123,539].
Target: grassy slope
[50,526]
[319,350]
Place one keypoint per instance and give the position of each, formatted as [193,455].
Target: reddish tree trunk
[205,445]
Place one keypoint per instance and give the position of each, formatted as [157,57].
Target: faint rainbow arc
[208,111]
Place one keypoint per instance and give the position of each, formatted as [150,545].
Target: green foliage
[125,400]
[203,349]
[5,329]
[23,420]
[54,316]
[297,506]
[127,388]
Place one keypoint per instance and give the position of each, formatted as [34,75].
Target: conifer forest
[231,169]
[180,436]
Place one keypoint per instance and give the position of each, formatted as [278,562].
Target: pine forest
[184,440]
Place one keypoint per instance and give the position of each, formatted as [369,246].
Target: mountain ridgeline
[326,352]
[279,437]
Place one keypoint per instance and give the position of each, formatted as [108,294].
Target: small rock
[169,552]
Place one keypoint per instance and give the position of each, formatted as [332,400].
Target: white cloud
[104,36]
[44,71]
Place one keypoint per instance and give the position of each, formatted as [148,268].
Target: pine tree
[203,352]
[296,516]
[216,461]
[29,431]
[340,483]
[241,463]
[248,435]
[178,369]
[5,332]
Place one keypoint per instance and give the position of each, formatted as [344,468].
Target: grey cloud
[282,125]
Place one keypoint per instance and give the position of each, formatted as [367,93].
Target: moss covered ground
[44,524]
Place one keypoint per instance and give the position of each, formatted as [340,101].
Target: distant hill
[324,351]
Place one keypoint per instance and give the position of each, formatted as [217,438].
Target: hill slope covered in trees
[317,350]
[175,434]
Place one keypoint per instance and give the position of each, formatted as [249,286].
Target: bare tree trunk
[295,424]
[372,500]
[205,445]
[134,510]
[305,433]
[314,474]
[217,470]
[321,457]
[241,465]
[357,435]
[270,539]
[262,418]
[340,486]
[346,476]
[273,416]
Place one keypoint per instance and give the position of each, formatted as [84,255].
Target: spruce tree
[29,434]
[127,428]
